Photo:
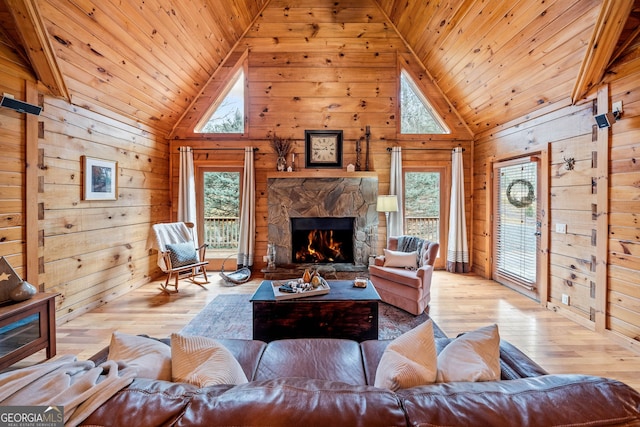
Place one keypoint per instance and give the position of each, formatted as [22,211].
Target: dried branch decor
[281,146]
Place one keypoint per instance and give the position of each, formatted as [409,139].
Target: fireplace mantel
[321,173]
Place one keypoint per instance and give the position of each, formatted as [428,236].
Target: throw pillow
[203,362]
[409,360]
[182,254]
[400,259]
[473,356]
[150,357]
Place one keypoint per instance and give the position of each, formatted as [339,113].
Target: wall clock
[323,148]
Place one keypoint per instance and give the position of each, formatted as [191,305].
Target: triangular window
[416,114]
[226,115]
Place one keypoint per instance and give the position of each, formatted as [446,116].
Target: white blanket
[167,233]
[81,387]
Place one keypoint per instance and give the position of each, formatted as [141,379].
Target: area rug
[230,316]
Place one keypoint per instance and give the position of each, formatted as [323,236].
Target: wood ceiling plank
[323,14]
[319,89]
[123,55]
[98,73]
[527,46]
[156,35]
[327,59]
[322,30]
[485,41]
[439,28]
[321,46]
[541,65]
[179,38]
[429,49]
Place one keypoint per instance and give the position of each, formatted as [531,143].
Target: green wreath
[524,201]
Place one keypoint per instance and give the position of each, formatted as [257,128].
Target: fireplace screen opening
[322,240]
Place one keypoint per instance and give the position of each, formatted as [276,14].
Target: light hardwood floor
[459,303]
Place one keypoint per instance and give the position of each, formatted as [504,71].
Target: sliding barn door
[516,219]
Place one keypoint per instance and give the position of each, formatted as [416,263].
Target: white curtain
[248,212]
[458,250]
[187,191]
[395,227]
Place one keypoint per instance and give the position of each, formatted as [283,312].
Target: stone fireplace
[350,196]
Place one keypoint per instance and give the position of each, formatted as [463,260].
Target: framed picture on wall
[100,179]
[323,148]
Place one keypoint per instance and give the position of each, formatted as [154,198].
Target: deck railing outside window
[426,227]
[221,232]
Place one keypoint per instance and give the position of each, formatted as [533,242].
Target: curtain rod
[389,149]
[221,148]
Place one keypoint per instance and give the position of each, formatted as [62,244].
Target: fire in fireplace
[322,240]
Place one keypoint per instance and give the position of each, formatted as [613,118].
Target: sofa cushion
[319,358]
[150,357]
[277,402]
[203,362]
[473,356]
[409,360]
[551,400]
[400,259]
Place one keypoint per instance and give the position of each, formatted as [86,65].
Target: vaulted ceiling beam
[37,44]
[609,26]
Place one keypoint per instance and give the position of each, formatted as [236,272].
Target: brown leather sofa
[327,382]
[407,289]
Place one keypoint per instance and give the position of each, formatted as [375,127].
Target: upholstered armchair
[402,276]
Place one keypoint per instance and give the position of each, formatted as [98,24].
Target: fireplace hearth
[322,240]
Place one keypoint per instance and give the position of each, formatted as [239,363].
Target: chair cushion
[182,254]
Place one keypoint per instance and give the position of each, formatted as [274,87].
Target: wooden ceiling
[494,60]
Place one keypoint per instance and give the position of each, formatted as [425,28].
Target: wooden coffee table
[345,312]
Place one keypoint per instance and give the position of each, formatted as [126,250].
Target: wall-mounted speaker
[606,120]
[20,106]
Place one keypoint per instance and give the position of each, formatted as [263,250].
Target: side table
[27,327]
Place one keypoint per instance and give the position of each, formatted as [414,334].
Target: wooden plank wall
[97,250]
[607,300]
[623,294]
[88,251]
[13,79]
[331,68]
[566,133]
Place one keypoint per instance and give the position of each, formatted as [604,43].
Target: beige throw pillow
[203,362]
[150,357]
[474,356]
[400,259]
[409,360]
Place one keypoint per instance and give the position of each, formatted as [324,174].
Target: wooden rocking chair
[178,255]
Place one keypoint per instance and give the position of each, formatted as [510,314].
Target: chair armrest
[202,250]
[424,272]
[379,260]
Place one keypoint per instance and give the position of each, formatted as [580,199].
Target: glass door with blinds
[516,220]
